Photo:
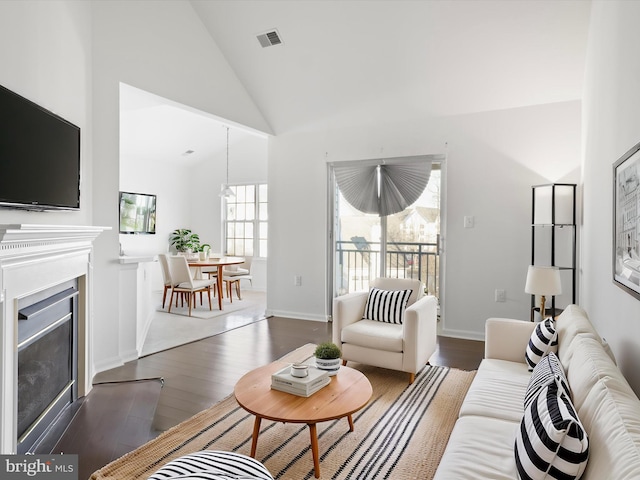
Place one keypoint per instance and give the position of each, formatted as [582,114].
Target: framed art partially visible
[626,221]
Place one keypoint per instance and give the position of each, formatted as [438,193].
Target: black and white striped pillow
[544,339]
[386,305]
[551,442]
[545,372]
[213,465]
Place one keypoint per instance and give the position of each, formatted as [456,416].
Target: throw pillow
[551,442]
[546,371]
[214,465]
[386,305]
[544,339]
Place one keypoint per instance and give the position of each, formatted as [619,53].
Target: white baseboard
[298,315]
[463,334]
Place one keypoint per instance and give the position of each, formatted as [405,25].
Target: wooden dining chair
[184,282]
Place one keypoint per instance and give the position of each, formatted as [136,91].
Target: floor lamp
[543,281]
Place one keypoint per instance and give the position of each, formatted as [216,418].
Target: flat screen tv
[137,213]
[39,156]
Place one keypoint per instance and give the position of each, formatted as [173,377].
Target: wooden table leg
[314,449]
[220,287]
[350,423]
[256,432]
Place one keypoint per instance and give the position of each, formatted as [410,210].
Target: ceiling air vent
[269,38]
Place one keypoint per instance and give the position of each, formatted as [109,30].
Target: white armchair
[406,347]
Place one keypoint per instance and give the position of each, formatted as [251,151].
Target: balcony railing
[358,264]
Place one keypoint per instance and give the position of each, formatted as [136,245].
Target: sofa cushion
[546,371]
[386,305]
[479,448]
[374,335]
[497,390]
[609,411]
[573,321]
[544,339]
[551,442]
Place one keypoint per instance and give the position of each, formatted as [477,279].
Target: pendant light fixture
[226,190]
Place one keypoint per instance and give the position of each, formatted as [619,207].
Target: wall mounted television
[39,156]
[137,213]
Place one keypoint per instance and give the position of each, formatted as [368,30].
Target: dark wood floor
[132,404]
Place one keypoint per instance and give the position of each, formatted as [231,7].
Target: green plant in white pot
[184,240]
[328,357]
[204,250]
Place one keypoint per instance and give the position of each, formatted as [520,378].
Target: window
[246,221]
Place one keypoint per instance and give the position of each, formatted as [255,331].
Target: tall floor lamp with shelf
[554,237]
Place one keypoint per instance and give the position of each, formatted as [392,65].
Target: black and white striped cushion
[544,339]
[213,465]
[386,305]
[551,442]
[545,372]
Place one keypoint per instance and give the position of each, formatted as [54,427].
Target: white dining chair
[185,283]
[233,274]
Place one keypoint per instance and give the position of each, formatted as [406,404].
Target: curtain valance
[382,188]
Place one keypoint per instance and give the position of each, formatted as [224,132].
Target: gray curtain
[382,188]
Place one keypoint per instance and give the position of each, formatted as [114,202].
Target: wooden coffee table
[347,393]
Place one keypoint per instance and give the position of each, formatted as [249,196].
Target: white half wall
[611,127]
[492,160]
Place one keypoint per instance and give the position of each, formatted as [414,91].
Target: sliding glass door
[400,245]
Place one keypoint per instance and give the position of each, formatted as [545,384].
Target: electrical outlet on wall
[501,295]
[297,280]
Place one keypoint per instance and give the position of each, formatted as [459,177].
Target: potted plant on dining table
[185,242]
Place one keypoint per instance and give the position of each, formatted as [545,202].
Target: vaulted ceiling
[346,63]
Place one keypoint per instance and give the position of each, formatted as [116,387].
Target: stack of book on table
[283,381]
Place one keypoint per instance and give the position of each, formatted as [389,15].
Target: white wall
[493,159]
[611,127]
[45,56]
[160,47]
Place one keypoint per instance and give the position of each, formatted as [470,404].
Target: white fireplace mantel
[33,258]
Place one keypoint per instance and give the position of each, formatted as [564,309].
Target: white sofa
[481,445]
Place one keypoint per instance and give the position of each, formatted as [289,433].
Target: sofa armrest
[420,333]
[347,309]
[507,339]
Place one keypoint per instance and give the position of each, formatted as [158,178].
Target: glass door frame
[332,203]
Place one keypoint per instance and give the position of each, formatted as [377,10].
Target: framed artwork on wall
[626,221]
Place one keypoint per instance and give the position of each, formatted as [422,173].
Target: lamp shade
[543,281]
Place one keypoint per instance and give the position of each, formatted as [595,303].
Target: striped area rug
[401,434]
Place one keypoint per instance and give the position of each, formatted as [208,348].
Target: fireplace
[44,269]
[47,363]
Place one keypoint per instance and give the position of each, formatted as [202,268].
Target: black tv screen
[39,156]
[137,213]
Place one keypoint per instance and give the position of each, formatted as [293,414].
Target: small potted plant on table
[328,357]
[185,241]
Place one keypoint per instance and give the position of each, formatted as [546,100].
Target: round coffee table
[347,393]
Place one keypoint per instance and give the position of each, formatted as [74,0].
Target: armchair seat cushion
[374,334]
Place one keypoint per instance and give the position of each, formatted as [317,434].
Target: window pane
[251,212]
[262,192]
[263,215]
[248,231]
[240,215]
[250,195]
[231,229]
[263,248]
[231,211]
[263,230]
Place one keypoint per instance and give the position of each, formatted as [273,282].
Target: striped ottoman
[213,465]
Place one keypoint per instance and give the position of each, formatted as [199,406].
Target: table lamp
[543,281]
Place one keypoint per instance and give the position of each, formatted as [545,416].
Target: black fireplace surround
[47,362]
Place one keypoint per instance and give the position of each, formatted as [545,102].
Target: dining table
[215,261]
